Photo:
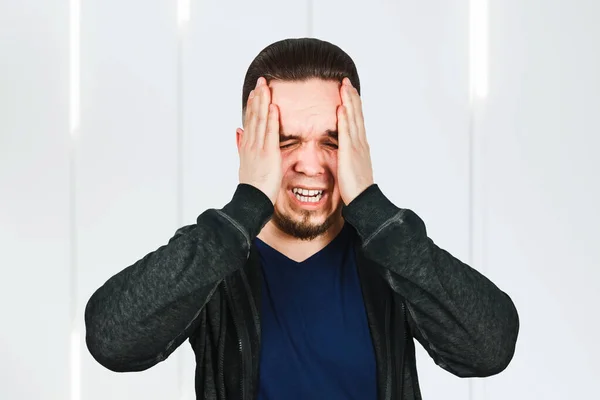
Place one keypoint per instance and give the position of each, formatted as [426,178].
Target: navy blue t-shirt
[315,342]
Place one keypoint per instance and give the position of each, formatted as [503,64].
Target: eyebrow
[284,137]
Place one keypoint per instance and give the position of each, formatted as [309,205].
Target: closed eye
[332,145]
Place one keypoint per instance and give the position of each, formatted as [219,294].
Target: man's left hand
[355,172]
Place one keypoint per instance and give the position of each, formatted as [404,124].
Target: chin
[304,226]
[305,221]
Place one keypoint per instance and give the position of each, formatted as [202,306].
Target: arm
[467,325]
[143,313]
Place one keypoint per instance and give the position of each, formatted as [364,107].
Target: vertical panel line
[183,12]
[471,208]
[478,91]
[75,341]
[75,338]
[180,116]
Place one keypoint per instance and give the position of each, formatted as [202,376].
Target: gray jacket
[204,285]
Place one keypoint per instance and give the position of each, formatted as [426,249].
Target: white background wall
[508,182]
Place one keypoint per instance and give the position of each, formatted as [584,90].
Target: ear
[238,137]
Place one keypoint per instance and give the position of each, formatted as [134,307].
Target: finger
[357,102]
[349,108]
[342,127]
[272,134]
[358,115]
[263,113]
[254,111]
[357,123]
[247,115]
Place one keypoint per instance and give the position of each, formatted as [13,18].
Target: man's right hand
[260,156]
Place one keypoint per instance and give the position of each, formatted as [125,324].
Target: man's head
[304,76]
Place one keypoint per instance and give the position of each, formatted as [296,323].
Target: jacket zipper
[402,360]
[253,373]
[223,333]
[240,345]
[388,358]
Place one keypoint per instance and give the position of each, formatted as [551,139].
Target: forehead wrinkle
[284,135]
[317,122]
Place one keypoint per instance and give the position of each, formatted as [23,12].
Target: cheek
[332,164]
[286,166]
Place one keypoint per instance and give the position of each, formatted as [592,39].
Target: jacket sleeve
[465,322]
[139,316]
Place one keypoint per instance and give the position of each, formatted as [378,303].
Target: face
[308,143]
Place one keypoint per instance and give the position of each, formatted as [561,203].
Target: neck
[294,248]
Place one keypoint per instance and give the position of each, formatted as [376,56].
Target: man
[309,283]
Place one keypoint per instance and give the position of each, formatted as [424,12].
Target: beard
[303,228]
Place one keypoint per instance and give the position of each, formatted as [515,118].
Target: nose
[309,160]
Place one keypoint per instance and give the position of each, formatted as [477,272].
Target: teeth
[306,192]
[313,199]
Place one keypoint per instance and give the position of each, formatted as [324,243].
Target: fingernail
[258,81]
[251,94]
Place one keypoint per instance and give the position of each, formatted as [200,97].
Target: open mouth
[308,198]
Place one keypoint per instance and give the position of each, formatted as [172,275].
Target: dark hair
[299,60]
